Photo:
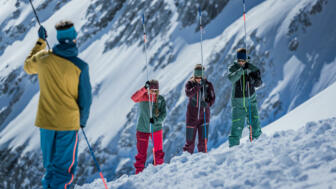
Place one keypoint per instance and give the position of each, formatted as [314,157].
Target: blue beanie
[241,55]
[66,35]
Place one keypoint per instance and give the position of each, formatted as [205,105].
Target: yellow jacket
[62,87]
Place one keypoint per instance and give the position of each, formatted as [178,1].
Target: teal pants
[239,117]
[59,149]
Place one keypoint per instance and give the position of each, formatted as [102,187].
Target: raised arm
[140,95]
[191,88]
[30,65]
[235,73]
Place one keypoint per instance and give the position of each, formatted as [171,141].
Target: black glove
[204,104]
[82,126]
[147,84]
[255,83]
[245,67]
[151,120]
[42,33]
[255,79]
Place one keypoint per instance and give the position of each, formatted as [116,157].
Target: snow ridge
[287,159]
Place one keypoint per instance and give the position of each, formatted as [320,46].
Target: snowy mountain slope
[275,97]
[287,159]
[317,108]
[17,18]
[280,33]
[300,156]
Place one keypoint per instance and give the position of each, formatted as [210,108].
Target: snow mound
[305,158]
[319,107]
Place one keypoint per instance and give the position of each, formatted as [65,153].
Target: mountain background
[292,41]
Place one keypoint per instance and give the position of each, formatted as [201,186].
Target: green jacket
[158,110]
[244,81]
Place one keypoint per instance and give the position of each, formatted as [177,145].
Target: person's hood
[66,49]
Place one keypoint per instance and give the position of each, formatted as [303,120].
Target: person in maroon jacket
[195,112]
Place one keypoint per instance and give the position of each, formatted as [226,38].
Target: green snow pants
[239,115]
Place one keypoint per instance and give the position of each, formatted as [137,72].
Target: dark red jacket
[195,92]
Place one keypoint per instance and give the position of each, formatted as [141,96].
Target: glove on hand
[151,120]
[42,33]
[147,84]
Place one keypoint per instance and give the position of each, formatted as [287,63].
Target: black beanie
[241,54]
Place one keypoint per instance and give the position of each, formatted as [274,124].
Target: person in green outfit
[149,127]
[245,77]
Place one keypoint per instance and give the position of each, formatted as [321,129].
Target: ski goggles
[198,73]
[241,60]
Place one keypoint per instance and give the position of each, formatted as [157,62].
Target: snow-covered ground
[287,159]
[283,39]
[300,156]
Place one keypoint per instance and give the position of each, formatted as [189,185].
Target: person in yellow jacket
[64,103]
